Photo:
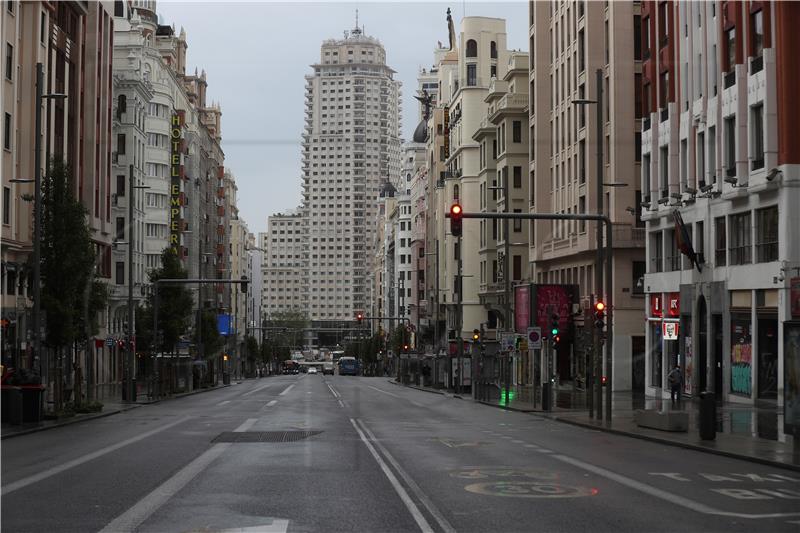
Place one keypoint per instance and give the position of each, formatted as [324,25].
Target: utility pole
[44,369]
[130,387]
[459,336]
[598,267]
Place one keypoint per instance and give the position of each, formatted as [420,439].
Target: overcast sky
[256,55]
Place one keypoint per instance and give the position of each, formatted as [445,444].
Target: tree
[284,332]
[208,334]
[251,352]
[174,303]
[72,294]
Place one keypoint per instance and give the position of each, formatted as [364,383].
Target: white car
[312,370]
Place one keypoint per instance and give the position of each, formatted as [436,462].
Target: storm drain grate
[264,436]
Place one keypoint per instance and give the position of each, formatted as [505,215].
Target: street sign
[508,341]
[523,345]
[110,342]
[535,337]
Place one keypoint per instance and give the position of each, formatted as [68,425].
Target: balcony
[756,64]
[628,236]
[510,102]
[729,79]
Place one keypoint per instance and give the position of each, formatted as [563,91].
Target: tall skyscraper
[351,145]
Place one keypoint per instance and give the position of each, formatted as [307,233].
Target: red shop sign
[656,305]
[674,300]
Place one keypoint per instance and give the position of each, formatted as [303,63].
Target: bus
[348,366]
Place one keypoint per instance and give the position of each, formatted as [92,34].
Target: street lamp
[37,213]
[599,262]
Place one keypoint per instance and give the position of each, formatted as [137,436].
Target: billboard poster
[791,378]
[522,308]
[741,355]
[548,299]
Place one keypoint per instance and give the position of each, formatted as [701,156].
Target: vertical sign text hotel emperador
[176,173]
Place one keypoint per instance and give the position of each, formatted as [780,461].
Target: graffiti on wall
[741,356]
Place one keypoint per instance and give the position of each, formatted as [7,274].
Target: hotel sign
[446,132]
[176,174]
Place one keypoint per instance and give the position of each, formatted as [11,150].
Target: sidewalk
[744,432]
[8,431]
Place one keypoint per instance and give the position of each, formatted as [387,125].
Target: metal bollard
[708,416]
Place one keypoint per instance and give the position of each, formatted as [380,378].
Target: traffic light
[225,357]
[476,335]
[405,347]
[243,284]
[556,340]
[554,329]
[360,317]
[455,220]
[599,314]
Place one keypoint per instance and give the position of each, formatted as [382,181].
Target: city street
[333,453]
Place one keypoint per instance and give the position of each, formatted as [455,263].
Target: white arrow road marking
[144,508]
[24,482]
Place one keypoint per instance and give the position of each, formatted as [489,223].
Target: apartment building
[503,152]
[283,254]
[73,41]
[350,145]
[720,168]
[569,43]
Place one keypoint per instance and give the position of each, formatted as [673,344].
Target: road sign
[508,341]
[523,345]
[535,337]
[110,342]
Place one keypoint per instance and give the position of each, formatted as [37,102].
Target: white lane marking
[144,508]
[530,446]
[544,450]
[516,441]
[223,403]
[272,402]
[662,494]
[333,391]
[287,389]
[410,505]
[421,496]
[24,482]
[415,404]
[256,390]
[275,526]
[341,404]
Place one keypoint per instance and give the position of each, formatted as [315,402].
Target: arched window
[494,50]
[472,48]
[455,192]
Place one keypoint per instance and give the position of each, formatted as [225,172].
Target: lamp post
[598,392]
[130,387]
[37,215]
[436,323]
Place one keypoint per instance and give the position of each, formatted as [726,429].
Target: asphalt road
[335,453]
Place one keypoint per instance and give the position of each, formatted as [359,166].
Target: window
[122,104]
[637,146]
[516,131]
[712,155]
[517,267]
[6,205]
[700,150]
[120,229]
[120,273]
[767,234]
[43,28]
[493,50]
[9,61]
[730,146]
[663,163]
[663,24]
[121,143]
[120,185]
[740,239]
[756,41]
[638,268]
[517,177]
[663,89]
[472,48]
[656,251]
[637,37]
[7,132]
[730,54]
[517,222]
[757,133]
[684,162]
[10,6]
[472,79]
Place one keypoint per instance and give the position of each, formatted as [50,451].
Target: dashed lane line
[144,508]
[24,482]
[286,390]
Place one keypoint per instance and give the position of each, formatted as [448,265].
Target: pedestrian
[675,379]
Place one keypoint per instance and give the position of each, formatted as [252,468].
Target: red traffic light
[455,220]
[599,306]
[359,317]
[405,347]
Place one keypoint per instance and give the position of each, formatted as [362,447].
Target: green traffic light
[554,331]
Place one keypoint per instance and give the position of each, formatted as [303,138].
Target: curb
[185,394]
[685,445]
[651,438]
[432,391]
[67,422]
[84,418]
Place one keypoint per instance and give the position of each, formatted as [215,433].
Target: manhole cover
[264,436]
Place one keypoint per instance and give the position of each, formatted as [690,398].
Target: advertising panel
[548,299]
[175,173]
[741,355]
[522,308]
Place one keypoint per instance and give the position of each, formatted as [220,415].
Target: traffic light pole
[604,219]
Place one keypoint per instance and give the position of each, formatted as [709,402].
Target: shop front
[664,329]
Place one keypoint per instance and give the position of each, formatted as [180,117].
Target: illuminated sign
[176,144]
[670,330]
